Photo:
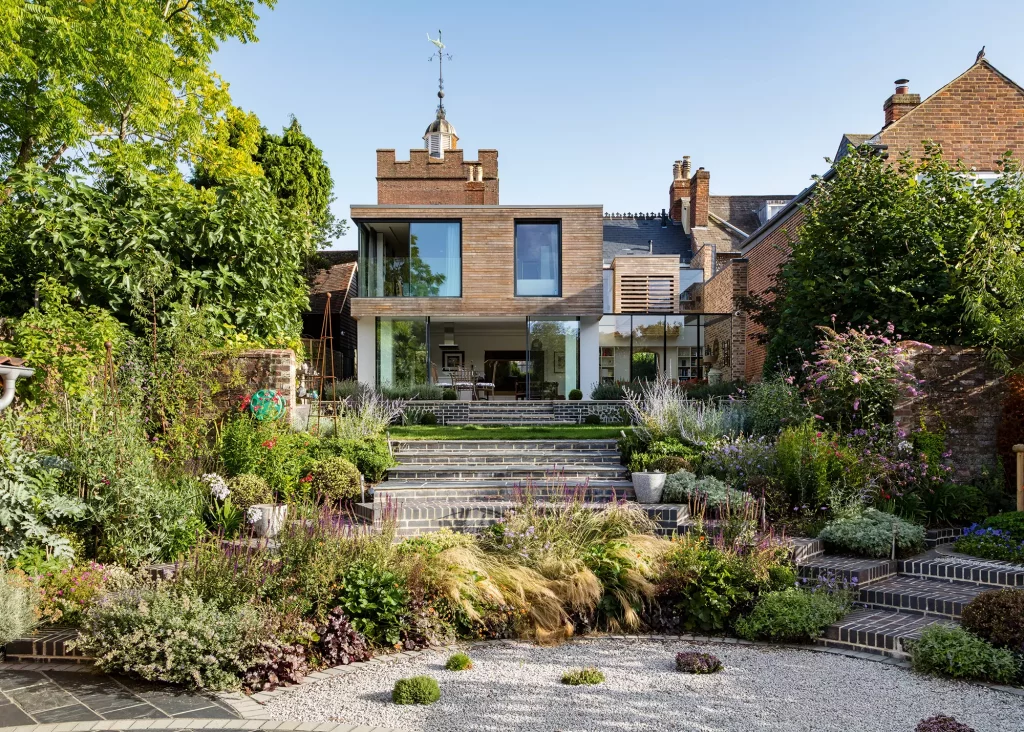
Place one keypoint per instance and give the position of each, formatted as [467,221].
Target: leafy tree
[925,247]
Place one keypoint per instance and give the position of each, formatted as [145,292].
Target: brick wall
[700,194]
[564,410]
[725,337]
[450,180]
[261,369]
[764,261]
[963,395]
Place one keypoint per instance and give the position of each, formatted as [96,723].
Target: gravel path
[516,686]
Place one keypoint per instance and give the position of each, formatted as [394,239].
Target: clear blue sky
[590,102]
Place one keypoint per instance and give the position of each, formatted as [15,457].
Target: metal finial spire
[440,55]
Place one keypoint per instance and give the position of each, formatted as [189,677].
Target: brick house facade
[975,118]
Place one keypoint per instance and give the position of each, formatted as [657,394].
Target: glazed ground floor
[539,357]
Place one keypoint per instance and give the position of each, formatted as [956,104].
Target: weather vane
[441,56]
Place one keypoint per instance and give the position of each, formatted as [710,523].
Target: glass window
[410,259]
[648,357]
[554,364]
[401,351]
[538,259]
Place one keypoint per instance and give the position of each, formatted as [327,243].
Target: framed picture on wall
[454,360]
[559,362]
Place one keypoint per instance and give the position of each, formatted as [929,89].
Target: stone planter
[271,519]
[465,393]
[648,487]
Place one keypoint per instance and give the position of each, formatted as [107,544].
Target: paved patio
[53,696]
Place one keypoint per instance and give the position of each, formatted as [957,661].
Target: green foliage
[335,480]
[282,458]
[376,599]
[959,654]
[583,677]
[1011,521]
[575,395]
[369,454]
[410,392]
[592,419]
[871,535]
[416,690]
[792,615]
[458,662]
[912,245]
[775,403]
[818,467]
[31,506]
[998,617]
[692,662]
[607,392]
[17,608]
[173,636]
[684,486]
[670,464]
[449,395]
[248,490]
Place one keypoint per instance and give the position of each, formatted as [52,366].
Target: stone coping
[227,725]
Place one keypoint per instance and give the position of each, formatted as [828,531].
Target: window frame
[364,272]
[515,254]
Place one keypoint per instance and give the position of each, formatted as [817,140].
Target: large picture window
[538,259]
[410,259]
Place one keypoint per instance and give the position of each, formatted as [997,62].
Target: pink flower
[856,404]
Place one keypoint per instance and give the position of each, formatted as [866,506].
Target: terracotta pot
[648,487]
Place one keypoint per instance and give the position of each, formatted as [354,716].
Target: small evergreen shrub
[998,617]
[941,723]
[1011,522]
[670,464]
[17,608]
[592,419]
[416,690]
[792,615]
[692,662]
[684,486]
[959,654]
[335,479]
[583,677]
[575,395]
[249,490]
[449,395]
[428,418]
[458,662]
[341,644]
[871,534]
[607,392]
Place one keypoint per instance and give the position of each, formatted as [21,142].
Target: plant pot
[648,487]
[465,395]
[271,519]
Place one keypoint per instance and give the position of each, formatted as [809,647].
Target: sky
[590,103]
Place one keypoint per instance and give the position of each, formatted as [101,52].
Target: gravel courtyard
[516,686]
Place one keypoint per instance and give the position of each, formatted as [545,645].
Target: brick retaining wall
[565,411]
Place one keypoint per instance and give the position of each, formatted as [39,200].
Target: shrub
[583,677]
[740,460]
[775,403]
[871,534]
[335,479]
[377,601]
[449,395]
[17,608]
[607,392]
[280,664]
[68,593]
[1011,522]
[339,643]
[792,615]
[575,395]
[990,543]
[458,662]
[998,617]
[941,723]
[173,636]
[428,418]
[684,486]
[957,653]
[692,662]
[249,490]
[592,419]
[413,391]
[370,455]
[670,464]
[416,690]
[819,467]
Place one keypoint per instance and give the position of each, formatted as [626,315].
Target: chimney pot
[686,166]
[901,102]
[677,168]
[901,86]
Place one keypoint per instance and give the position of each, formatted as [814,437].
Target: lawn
[533,432]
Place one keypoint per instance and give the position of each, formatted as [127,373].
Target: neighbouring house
[337,283]
[975,118]
[539,300]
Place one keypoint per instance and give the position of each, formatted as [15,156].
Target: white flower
[253,514]
[904,446]
[218,486]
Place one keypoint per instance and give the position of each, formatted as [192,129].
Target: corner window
[410,259]
[538,259]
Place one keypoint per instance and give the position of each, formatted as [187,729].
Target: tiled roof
[724,239]
[626,235]
[335,280]
[850,138]
[11,361]
[741,211]
[338,256]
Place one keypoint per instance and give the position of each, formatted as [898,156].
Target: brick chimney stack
[679,191]
[900,103]
[700,191]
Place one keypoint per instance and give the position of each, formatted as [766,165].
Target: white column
[590,355]
[366,350]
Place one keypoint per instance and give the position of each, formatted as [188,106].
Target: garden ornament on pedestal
[266,519]
[11,369]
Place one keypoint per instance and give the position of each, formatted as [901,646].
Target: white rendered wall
[590,355]
[366,349]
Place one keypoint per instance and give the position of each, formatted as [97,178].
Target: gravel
[516,686]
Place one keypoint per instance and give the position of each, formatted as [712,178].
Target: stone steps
[46,645]
[992,574]
[878,631]
[498,421]
[919,595]
[502,489]
[456,447]
[858,570]
[470,472]
[521,457]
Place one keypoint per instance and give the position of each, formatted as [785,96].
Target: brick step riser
[994,578]
[414,527]
[496,494]
[881,645]
[503,422]
[456,446]
[862,577]
[446,474]
[539,458]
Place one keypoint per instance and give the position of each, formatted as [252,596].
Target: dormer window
[769,209]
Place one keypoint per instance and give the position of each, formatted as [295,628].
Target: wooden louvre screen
[641,293]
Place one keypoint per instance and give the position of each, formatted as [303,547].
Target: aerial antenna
[440,55]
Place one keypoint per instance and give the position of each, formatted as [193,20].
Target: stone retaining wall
[961,395]
[565,411]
